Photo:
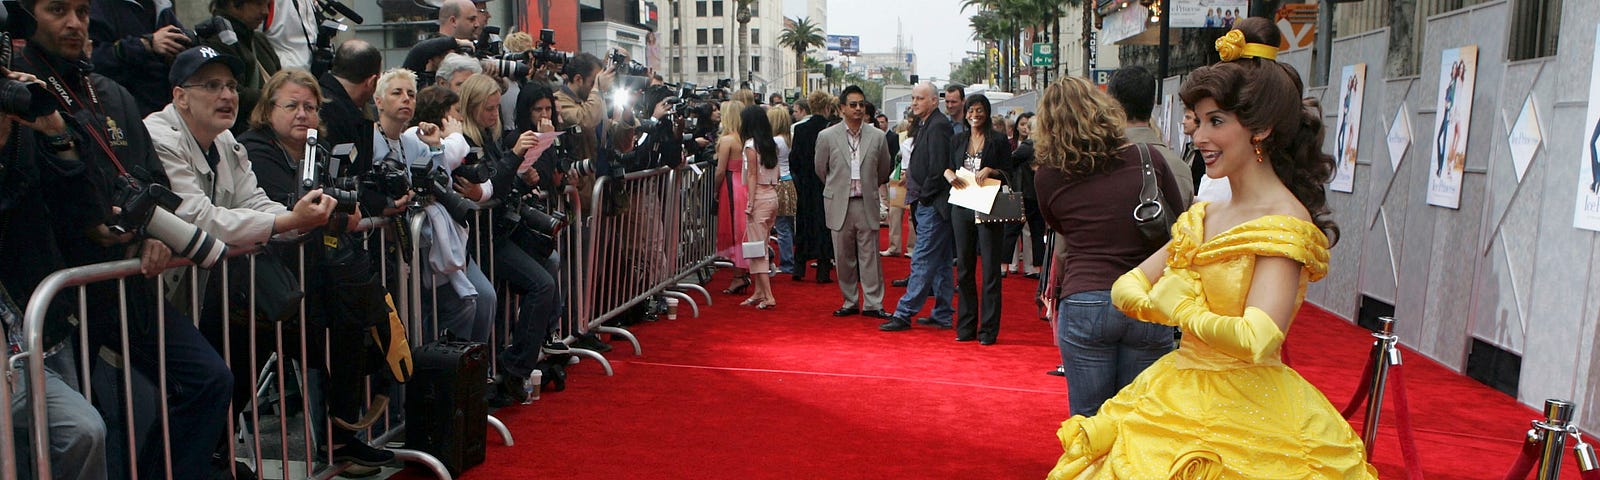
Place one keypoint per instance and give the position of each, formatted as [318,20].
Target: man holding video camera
[122,165]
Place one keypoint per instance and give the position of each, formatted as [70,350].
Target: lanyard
[65,96]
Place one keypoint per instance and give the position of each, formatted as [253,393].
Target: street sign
[1102,77]
[1044,55]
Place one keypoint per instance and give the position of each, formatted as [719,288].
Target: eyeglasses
[855,104]
[215,86]
[307,107]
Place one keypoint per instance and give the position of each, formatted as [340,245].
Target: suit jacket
[803,152]
[930,156]
[833,167]
[996,154]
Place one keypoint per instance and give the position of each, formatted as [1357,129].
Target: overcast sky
[937,30]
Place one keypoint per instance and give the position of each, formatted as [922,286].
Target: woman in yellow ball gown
[1224,405]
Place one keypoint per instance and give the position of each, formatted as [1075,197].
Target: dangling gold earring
[1258,151]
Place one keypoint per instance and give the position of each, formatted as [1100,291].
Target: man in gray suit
[852,159]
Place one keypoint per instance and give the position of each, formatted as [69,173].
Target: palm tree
[799,34]
[893,75]
[1007,20]
[742,15]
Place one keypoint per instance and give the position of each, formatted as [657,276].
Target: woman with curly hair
[1224,405]
[1088,180]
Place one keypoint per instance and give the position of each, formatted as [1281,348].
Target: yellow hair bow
[1233,47]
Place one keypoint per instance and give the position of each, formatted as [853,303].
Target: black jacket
[343,122]
[276,175]
[996,153]
[1022,168]
[930,156]
[42,198]
[116,26]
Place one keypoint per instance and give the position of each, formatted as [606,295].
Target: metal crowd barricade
[626,236]
[695,222]
[274,372]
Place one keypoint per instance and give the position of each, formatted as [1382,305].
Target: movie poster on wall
[1347,135]
[1447,160]
[1587,214]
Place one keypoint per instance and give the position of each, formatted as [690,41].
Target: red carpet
[797,393]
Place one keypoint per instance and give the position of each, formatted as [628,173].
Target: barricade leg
[697,288]
[686,299]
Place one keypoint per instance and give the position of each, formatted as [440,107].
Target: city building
[703,45]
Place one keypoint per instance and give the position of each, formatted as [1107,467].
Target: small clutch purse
[753,249]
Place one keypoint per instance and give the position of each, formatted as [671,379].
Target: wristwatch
[60,143]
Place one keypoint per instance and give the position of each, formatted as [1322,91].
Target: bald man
[458,19]
[928,193]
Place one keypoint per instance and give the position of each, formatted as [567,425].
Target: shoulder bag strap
[1150,191]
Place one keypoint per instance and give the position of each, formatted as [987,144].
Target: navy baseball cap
[192,60]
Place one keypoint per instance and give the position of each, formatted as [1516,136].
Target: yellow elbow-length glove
[1250,337]
[1131,294]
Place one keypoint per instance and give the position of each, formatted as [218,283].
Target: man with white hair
[456,68]
[928,193]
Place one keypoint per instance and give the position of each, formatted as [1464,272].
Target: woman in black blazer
[986,152]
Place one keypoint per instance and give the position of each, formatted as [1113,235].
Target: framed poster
[1448,157]
[1587,214]
[1348,133]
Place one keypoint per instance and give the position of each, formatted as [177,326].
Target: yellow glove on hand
[1173,287]
[1250,337]
[1131,294]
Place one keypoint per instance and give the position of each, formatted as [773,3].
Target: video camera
[330,23]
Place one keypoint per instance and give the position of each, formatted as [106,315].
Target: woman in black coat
[987,153]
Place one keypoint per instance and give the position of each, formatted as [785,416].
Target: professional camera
[26,100]
[317,171]
[530,222]
[427,182]
[147,211]
[329,25]
[546,52]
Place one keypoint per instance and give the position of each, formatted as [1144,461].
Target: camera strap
[69,99]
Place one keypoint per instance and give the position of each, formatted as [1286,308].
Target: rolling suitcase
[446,411]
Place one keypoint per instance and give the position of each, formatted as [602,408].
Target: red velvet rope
[1590,475]
[1362,389]
[1524,464]
[1408,438]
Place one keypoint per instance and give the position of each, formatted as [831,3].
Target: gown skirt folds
[1198,413]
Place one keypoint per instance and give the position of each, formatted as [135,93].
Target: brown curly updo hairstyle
[1265,94]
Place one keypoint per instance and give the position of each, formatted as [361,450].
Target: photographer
[121,163]
[30,253]
[459,19]
[454,69]
[343,292]
[467,307]
[134,45]
[347,89]
[582,108]
[243,40]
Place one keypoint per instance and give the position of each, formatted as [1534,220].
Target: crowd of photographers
[128,135]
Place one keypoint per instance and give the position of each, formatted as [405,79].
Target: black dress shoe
[1060,371]
[966,338]
[986,339]
[877,314]
[895,324]
[900,283]
[929,321]
[1031,275]
[846,311]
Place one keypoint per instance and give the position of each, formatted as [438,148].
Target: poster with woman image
[1447,160]
[1587,214]
[1347,133]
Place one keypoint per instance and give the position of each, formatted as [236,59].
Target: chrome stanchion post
[1552,433]
[1384,354]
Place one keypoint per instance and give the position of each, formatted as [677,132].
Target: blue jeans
[77,433]
[469,318]
[930,268]
[785,231]
[538,313]
[1102,349]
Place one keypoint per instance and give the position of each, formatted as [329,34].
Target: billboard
[845,44]
[558,15]
[1208,13]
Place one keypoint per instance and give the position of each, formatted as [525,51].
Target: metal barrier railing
[610,262]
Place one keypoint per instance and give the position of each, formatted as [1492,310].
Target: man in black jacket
[346,88]
[115,147]
[134,44]
[928,192]
[812,239]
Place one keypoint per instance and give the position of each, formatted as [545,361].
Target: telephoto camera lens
[26,100]
[540,221]
[185,239]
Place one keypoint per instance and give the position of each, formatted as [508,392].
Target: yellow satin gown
[1199,414]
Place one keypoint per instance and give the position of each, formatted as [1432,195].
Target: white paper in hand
[546,139]
[978,198]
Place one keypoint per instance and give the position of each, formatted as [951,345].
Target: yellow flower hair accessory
[1233,47]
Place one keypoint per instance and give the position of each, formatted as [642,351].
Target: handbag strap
[1149,192]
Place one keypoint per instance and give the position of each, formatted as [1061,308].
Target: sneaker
[554,346]
[360,453]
